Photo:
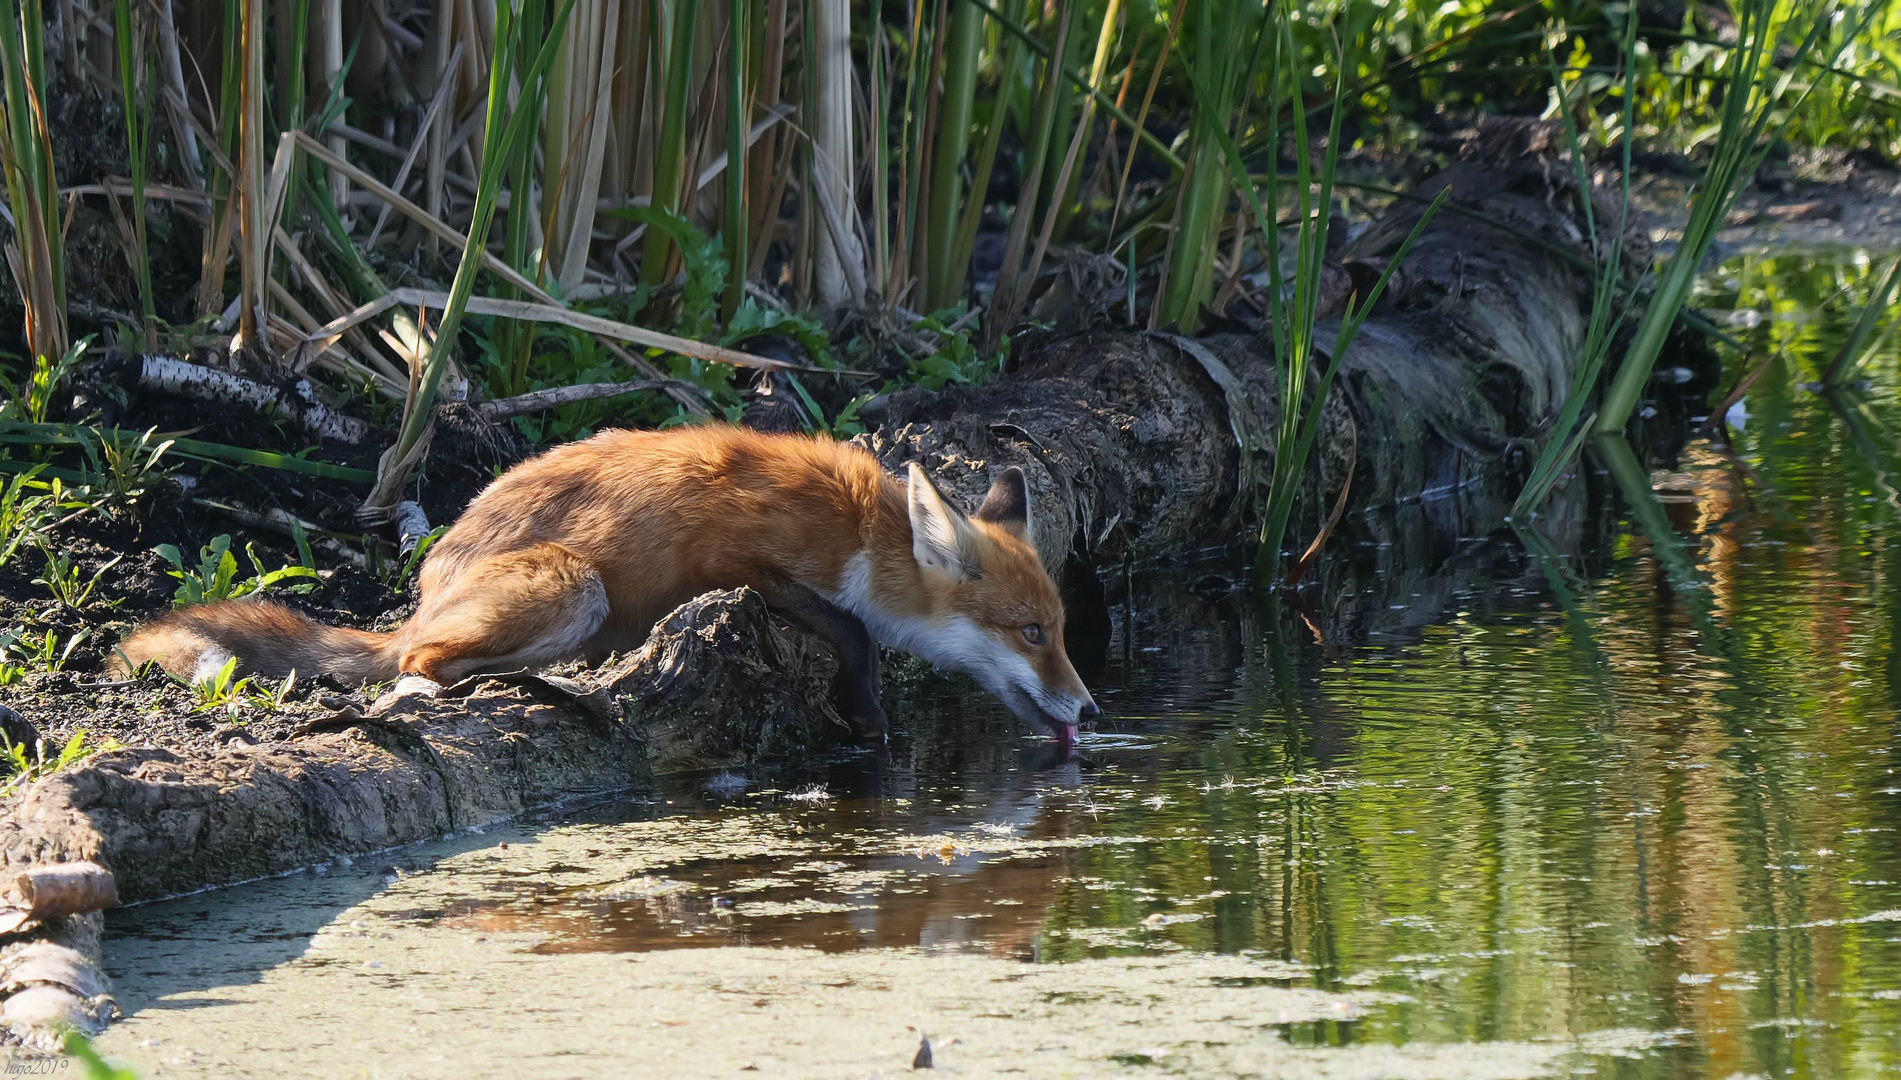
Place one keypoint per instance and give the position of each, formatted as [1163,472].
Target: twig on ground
[556,396]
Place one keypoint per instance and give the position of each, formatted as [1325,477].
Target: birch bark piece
[186,379]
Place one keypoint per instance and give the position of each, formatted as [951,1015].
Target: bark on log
[51,989]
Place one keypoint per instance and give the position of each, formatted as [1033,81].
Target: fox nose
[1089,711]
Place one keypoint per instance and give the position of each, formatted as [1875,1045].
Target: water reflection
[1661,802]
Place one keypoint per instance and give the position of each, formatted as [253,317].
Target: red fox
[580,551]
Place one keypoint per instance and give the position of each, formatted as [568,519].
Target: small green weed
[65,579]
[221,690]
[34,397]
[844,425]
[30,766]
[22,511]
[395,574]
[224,690]
[118,472]
[752,320]
[956,361]
[38,652]
[216,575]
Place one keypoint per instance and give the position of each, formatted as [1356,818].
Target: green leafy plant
[32,765]
[66,580]
[955,361]
[216,575]
[23,509]
[40,652]
[706,268]
[395,574]
[122,469]
[752,320]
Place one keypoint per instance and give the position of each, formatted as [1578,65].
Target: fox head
[1001,617]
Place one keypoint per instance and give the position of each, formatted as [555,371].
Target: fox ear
[939,531]
[1008,504]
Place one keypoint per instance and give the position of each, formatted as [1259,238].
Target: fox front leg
[855,689]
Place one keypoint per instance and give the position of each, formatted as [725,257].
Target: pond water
[1635,812]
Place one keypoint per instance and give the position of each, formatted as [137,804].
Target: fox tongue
[1066,734]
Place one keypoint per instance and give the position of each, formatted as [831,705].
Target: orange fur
[578,552]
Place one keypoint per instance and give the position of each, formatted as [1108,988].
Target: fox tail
[267,639]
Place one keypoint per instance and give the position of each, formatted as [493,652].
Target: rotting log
[719,680]
[1142,444]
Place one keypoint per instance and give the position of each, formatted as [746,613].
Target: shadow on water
[1630,777]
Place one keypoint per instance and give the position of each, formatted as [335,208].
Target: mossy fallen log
[1139,444]
[719,679]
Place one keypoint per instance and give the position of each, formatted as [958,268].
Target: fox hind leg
[505,612]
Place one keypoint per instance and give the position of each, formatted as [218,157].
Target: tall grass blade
[1007,301]
[738,121]
[1013,60]
[962,55]
[1567,434]
[138,129]
[1142,114]
[37,256]
[1849,358]
[1752,100]
[254,241]
[501,140]
[669,170]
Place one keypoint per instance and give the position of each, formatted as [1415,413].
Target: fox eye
[1033,633]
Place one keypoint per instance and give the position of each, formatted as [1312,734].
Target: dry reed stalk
[424,131]
[583,135]
[839,261]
